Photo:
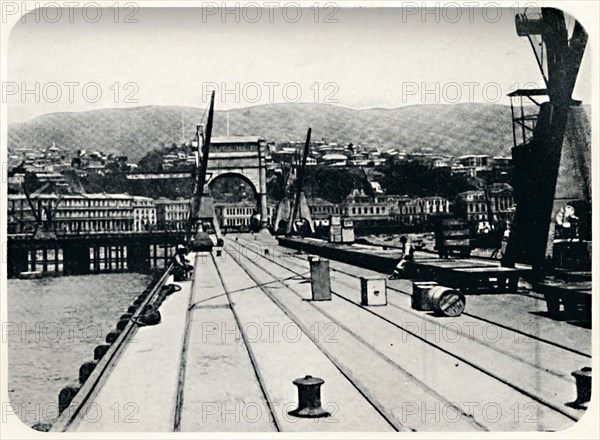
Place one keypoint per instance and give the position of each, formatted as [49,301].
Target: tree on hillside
[418,180]
[152,161]
[334,184]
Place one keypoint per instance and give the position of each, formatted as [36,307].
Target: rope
[299,276]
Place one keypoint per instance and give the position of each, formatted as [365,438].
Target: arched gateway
[243,156]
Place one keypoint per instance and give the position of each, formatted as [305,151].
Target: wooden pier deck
[235,337]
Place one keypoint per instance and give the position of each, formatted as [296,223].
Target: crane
[551,152]
[202,206]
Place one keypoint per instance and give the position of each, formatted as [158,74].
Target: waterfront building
[144,213]
[473,205]
[321,209]
[235,215]
[412,211]
[361,207]
[172,214]
[72,213]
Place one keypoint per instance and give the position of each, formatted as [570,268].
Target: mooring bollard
[319,279]
[583,383]
[309,398]
[373,291]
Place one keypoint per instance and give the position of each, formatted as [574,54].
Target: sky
[74,60]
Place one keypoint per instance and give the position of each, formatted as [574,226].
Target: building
[334,160]
[412,211]
[72,213]
[472,164]
[235,215]
[503,202]
[502,164]
[321,209]
[473,205]
[364,208]
[144,213]
[172,214]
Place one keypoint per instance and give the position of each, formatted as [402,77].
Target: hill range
[455,129]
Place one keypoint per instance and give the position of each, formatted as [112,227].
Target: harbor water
[53,326]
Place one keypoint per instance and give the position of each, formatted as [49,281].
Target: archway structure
[243,156]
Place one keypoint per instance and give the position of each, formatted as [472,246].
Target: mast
[299,184]
[201,176]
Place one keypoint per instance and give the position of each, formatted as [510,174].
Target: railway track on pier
[541,351]
[399,369]
[335,266]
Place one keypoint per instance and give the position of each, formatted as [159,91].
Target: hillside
[452,128]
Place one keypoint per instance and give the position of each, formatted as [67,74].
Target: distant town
[373,186]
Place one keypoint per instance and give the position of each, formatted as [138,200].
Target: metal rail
[389,418]
[468,362]
[259,377]
[489,321]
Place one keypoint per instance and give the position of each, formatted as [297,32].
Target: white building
[144,213]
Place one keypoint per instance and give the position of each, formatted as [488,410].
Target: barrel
[446,301]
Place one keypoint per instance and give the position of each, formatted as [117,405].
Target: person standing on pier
[181,266]
[406,260]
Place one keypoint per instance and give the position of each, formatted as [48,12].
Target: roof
[320,201]
[235,139]
[335,157]
[466,156]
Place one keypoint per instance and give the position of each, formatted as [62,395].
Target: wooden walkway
[232,341]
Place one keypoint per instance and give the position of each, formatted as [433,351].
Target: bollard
[309,398]
[85,370]
[319,279]
[66,395]
[373,291]
[100,351]
[583,383]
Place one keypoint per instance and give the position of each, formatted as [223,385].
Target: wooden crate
[452,237]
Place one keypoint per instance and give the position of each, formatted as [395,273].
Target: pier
[74,254]
[237,334]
